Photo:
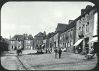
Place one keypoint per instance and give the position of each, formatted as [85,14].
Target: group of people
[58,51]
[19,50]
[90,54]
[48,51]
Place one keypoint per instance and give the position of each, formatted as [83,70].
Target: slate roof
[61,27]
[51,34]
[70,25]
[30,37]
[84,14]
[20,37]
[40,34]
[73,23]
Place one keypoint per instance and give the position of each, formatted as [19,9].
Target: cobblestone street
[68,61]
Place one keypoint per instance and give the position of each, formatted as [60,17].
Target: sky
[37,16]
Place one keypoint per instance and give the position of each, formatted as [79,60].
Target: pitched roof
[20,37]
[30,37]
[70,25]
[40,34]
[73,23]
[85,13]
[61,27]
[51,34]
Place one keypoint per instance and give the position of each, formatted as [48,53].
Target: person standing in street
[56,51]
[60,52]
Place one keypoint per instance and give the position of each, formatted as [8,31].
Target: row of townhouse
[67,38]
[21,41]
[78,33]
[73,36]
[85,28]
[43,41]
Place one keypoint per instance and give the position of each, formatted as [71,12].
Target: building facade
[29,43]
[51,41]
[45,43]
[84,29]
[16,42]
[21,41]
[67,38]
[60,28]
[38,39]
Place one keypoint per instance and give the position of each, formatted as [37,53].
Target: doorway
[87,45]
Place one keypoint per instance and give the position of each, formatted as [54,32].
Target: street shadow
[55,64]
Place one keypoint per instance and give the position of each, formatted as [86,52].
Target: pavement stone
[68,61]
[48,61]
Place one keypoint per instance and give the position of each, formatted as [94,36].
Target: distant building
[29,43]
[16,42]
[51,41]
[60,28]
[38,39]
[21,41]
[45,43]
[67,38]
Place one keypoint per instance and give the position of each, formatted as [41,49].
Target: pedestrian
[87,50]
[60,52]
[56,51]
[92,50]
[46,50]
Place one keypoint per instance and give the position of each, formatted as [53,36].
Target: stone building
[45,43]
[21,41]
[38,39]
[84,29]
[60,28]
[28,42]
[51,41]
[16,42]
[67,38]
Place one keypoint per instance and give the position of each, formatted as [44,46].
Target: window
[60,37]
[83,28]
[79,28]
[63,44]
[87,27]
[71,34]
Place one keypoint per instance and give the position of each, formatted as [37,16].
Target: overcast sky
[34,17]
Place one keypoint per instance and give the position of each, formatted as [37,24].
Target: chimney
[83,11]
[44,33]
[70,21]
[88,7]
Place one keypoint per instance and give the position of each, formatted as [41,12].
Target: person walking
[56,51]
[60,52]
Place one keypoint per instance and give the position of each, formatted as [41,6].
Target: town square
[40,38]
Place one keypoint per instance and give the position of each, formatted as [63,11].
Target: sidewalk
[78,56]
[13,52]
[8,63]
[11,63]
[48,61]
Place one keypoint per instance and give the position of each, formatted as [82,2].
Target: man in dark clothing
[56,51]
[60,52]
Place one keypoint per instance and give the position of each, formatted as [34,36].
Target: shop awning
[43,45]
[94,39]
[78,42]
